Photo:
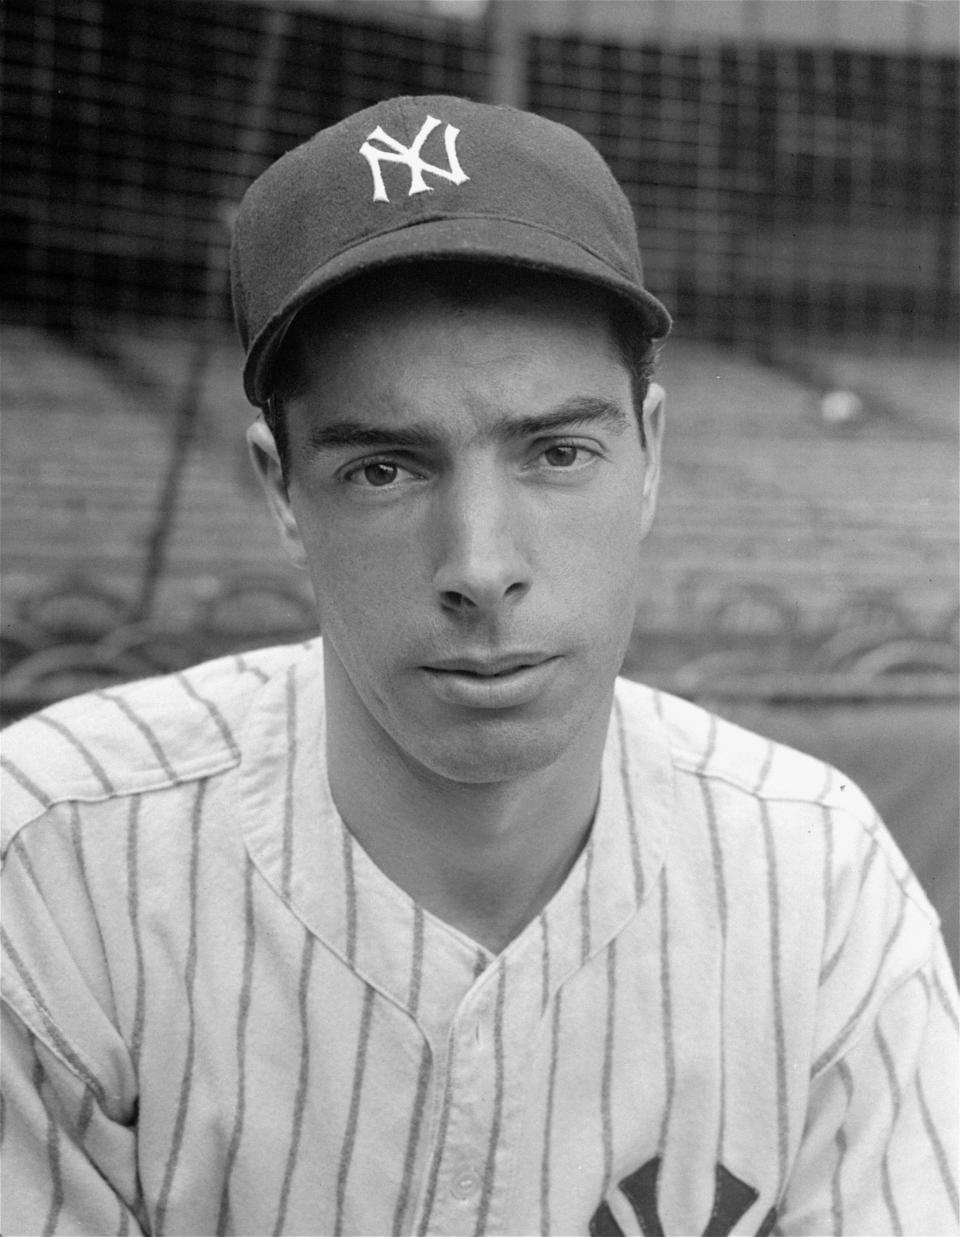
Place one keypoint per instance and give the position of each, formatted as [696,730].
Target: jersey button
[465,1183]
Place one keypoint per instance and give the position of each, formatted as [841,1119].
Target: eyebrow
[579,412]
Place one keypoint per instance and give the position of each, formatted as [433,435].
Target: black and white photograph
[480,618]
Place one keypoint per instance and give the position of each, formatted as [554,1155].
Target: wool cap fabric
[419,179]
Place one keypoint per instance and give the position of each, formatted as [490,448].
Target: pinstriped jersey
[734,1016]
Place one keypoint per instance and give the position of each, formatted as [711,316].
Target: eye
[377,474]
[562,455]
[565,457]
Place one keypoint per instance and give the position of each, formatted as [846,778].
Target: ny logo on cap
[410,155]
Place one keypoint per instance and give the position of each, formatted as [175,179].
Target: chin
[489,754]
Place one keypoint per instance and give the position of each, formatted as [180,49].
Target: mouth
[505,682]
[490,668]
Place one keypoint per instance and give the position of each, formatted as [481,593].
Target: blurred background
[794,169]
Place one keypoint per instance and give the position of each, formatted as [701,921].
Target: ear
[654,407]
[266,464]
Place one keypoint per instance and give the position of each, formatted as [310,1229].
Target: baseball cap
[428,178]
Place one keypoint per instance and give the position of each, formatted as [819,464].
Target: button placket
[488,1075]
[470,1115]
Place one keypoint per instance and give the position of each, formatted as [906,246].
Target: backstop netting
[780,190]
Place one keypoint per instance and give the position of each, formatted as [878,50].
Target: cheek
[359,575]
[606,545]
[602,538]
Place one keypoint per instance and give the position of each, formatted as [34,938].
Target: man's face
[468,492]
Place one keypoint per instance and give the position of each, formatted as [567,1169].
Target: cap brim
[463,239]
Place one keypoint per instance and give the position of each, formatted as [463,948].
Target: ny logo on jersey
[396,152]
[731,1200]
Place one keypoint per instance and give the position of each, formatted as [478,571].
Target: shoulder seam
[47,804]
[755,792]
[906,881]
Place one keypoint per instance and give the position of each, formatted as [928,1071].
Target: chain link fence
[780,190]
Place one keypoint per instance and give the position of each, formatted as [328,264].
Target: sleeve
[879,1152]
[69,1086]
[68,1168]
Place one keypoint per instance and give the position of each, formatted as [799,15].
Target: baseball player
[434,925]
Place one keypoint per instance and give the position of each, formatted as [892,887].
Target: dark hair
[459,284]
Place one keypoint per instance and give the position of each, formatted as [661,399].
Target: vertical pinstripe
[133,910]
[243,1014]
[720,885]
[351,888]
[666,1012]
[423,1077]
[350,1134]
[25,782]
[766,766]
[544,963]
[868,862]
[431,1191]
[828,908]
[218,718]
[85,1116]
[711,744]
[190,977]
[424,1138]
[585,906]
[776,981]
[62,1045]
[489,1168]
[53,1151]
[944,1000]
[828,966]
[945,1003]
[824,793]
[716,856]
[303,1080]
[18,848]
[94,765]
[627,787]
[416,1121]
[86,1107]
[287,862]
[886,1186]
[76,837]
[886,1191]
[545,1226]
[139,724]
[853,1020]
[416,961]
[836,1190]
[606,1083]
[939,1153]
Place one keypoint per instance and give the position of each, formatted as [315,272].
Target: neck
[483,857]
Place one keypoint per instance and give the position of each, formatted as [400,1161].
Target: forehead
[433,334]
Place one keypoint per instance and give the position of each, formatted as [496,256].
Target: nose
[480,562]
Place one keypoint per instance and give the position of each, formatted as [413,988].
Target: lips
[508,681]
[490,667]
